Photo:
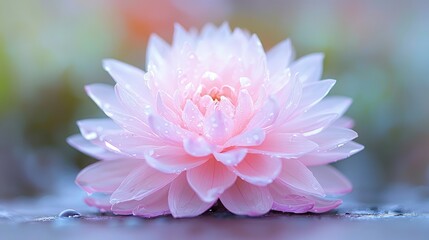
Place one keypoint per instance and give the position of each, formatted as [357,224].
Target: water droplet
[244,81]
[210,76]
[255,137]
[69,213]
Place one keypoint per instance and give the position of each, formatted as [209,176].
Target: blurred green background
[377,50]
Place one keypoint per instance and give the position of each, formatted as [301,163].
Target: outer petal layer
[243,198]
[210,180]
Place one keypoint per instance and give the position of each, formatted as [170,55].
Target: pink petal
[168,131]
[265,116]
[331,180]
[284,145]
[279,57]
[286,200]
[183,201]
[325,157]
[343,122]
[135,106]
[165,112]
[313,93]
[243,111]
[288,97]
[172,159]
[227,108]
[93,129]
[323,205]
[252,137]
[83,145]
[216,128]
[333,137]
[105,98]
[106,176]
[154,205]
[125,207]
[141,182]
[309,67]
[337,105]
[197,147]
[299,177]
[210,180]
[102,203]
[308,125]
[258,169]
[130,144]
[181,36]
[129,78]
[157,51]
[231,157]
[192,117]
[243,198]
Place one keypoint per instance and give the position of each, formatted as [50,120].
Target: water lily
[216,118]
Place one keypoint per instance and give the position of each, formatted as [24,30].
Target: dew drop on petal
[210,76]
[244,81]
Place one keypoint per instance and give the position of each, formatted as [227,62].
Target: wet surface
[62,217]
[367,222]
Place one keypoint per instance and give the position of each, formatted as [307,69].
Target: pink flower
[212,118]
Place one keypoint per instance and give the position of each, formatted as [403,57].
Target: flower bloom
[212,118]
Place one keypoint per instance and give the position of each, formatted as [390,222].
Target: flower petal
[141,182]
[313,93]
[83,145]
[333,137]
[279,57]
[93,129]
[157,51]
[183,201]
[334,104]
[252,137]
[154,205]
[129,78]
[210,180]
[331,180]
[243,111]
[286,200]
[105,98]
[309,67]
[192,117]
[106,176]
[243,198]
[343,122]
[323,205]
[100,202]
[130,144]
[265,116]
[165,112]
[258,169]
[284,145]
[216,128]
[197,147]
[299,177]
[308,125]
[172,159]
[325,157]
[168,131]
[231,157]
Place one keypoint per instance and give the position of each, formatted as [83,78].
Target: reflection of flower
[214,117]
